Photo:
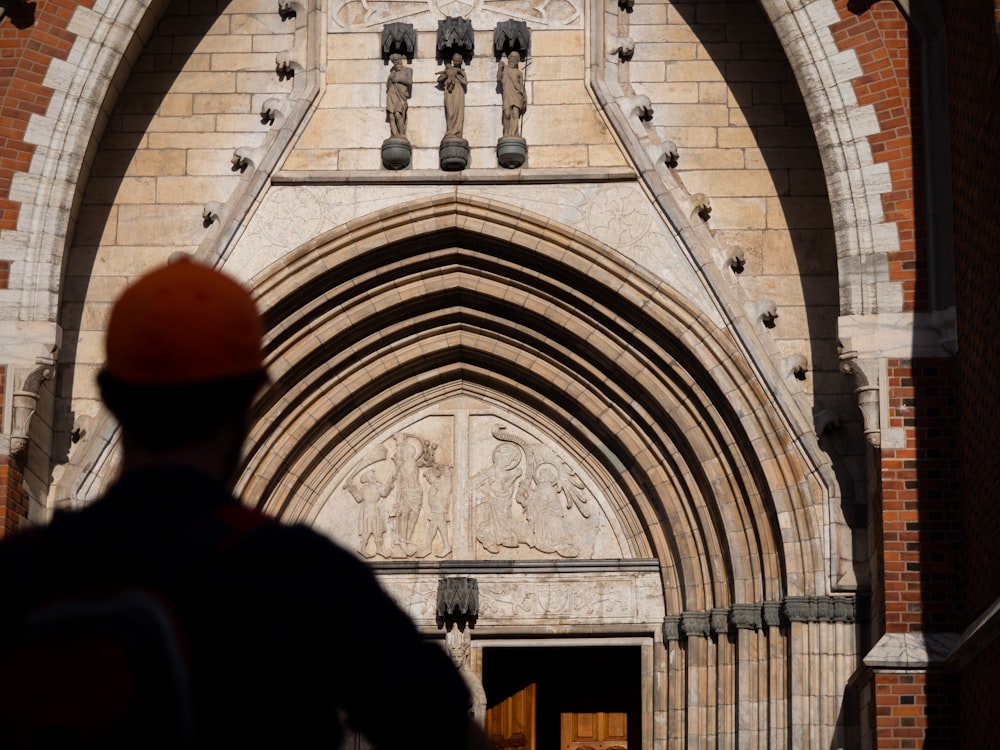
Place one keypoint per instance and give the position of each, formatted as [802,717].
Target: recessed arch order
[458,295]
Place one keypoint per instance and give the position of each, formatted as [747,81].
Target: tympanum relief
[467,486]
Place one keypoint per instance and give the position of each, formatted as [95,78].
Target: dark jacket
[284,629]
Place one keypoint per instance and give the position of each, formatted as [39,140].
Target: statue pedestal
[512,150]
[454,154]
[396,153]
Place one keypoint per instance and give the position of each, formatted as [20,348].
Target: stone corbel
[399,38]
[457,602]
[511,36]
[25,402]
[455,35]
[865,375]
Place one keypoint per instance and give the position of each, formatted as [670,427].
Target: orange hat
[184,323]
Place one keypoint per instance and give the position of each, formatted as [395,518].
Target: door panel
[510,725]
[594,731]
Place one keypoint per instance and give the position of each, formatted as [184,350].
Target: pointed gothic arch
[457,295]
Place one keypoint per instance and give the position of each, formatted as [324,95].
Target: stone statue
[454,82]
[398,88]
[511,80]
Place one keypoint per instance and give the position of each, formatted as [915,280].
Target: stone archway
[397,327]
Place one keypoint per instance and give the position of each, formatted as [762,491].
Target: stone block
[192,124]
[239,123]
[640,72]
[557,92]
[222,103]
[558,156]
[693,70]
[606,156]
[107,190]
[261,82]
[735,183]
[263,24]
[653,50]
[701,115]
[358,72]
[712,158]
[204,83]
[224,43]
[556,68]
[557,125]
[713,92]
[348,96]
[798,213]
[239,61]
[306,159]
[360,159]
[362,47]
[187,190]
[175,105]
[670,93]
[561,43]
[152,162]
[167,227]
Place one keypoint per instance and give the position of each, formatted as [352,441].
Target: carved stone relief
[467,486]
[534,599]
[360,15]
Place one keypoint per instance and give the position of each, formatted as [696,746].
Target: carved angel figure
[544,511]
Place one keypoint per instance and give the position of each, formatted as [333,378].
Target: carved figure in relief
[543,509]
[546,490]
[368,493]
[410,457]
[398,88]
[511,81]
[454,82]
[492,495]
[439,495]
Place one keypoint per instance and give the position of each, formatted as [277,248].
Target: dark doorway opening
[573,680]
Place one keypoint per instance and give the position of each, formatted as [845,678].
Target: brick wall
[915,711]
[31,34]
[14,505]
[974,92]
[889,58]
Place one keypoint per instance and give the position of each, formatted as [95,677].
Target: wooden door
[593,731]
[510,724]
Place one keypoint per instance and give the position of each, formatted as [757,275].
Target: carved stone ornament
[696,624]
[719,618]
[672,628]
[772,616]
[458,598]
[450,486]
[25,402]
[746,617]
[510,36]
[455,36]
[867,391]
[399,38]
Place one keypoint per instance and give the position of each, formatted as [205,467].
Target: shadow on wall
[136,107]
[744,47]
